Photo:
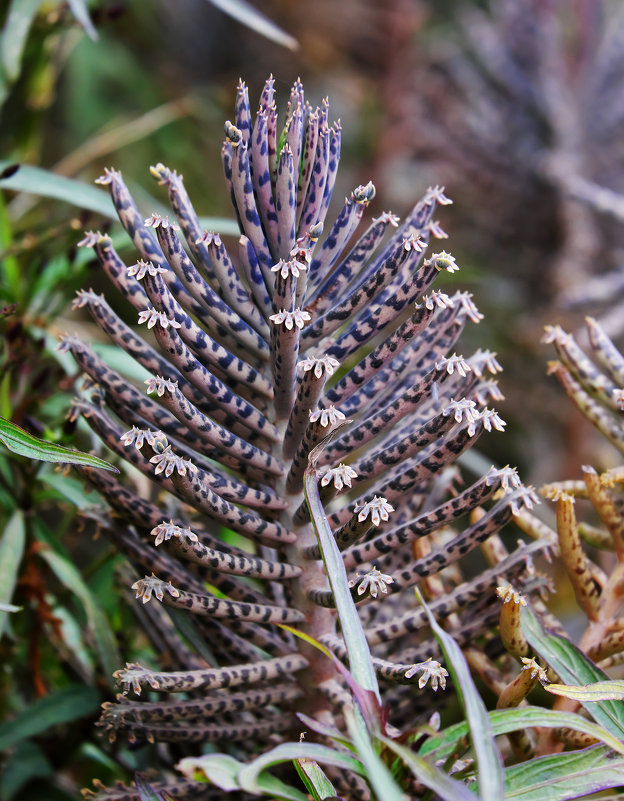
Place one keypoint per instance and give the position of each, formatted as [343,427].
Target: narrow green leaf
[562,776]
[249,774]
[37,181]
[246,14]
[314,779]
[68,487]
[103,637]
[18,21]
[21,442]
[11,552]
[360,662]
[26,763]
[574,668]
[225,772]
[44,183]
[62,706]
[377,773]
[599,691]
[81,13]
[489,762]
[504,721]
[442,784]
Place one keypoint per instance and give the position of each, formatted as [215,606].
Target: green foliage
[21,442]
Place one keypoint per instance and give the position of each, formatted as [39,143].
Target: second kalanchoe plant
[261,354]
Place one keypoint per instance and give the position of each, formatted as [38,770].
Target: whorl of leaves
[257,352]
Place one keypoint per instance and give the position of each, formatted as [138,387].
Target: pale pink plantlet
[165,531]
[431,670]
[508,477]
[326,417]
[374,581]
[379,510]
[142,268]
[389,218]
[285,268]
[437,193]
[414,242]
[156,220]
[454,363]
[436,230]
[438,298]
[138,436]
[444,261]
[168,461]
[468,307]
[160,385]
[209,238]
[319,364]
[152,316]
[152,585]
[91,238]
[491,419]
[463,409]
[290,319]
[524,497]
[536,670]
[341,476]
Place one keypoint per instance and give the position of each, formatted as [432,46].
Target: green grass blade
[247,15]
[447,788]
[599,691]
[314,779]
[62,706]
[377,773]
[18,21]
[81,13]
[229,774]
[38,181]
[104,639]
[360,662]
[248,774]
[562,776]
[26,762]
[574,668]
[504,721]
[21,442]
[489,762]
[11,552]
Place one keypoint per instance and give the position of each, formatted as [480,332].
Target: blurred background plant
[524,135]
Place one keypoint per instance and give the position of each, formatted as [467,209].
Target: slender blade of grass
[21,442]
[360,662]
[489,762]
[574,668]
[11,552]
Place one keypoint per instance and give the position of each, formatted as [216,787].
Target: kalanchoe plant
[259,355]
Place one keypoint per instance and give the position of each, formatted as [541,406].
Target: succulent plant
[260,355]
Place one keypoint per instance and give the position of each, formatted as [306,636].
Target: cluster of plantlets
[313,362]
